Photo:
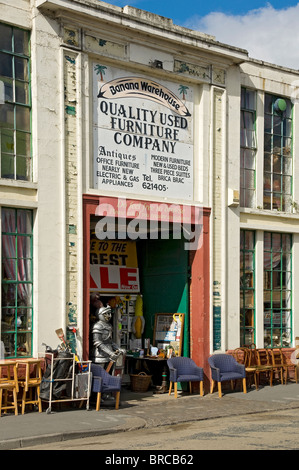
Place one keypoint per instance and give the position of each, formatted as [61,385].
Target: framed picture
[168,331]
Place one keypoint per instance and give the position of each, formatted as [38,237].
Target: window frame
[245,330]
[277,197]
[244,148]
[12,285]
[272,274]
[16,146]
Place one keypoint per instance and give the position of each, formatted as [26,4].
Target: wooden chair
[277,362]
[288,365]
[263,365]
[31,383]
[243,355]
[8,384]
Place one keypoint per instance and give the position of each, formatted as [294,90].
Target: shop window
[277,289]
[248,148]
[247,287]
[15,112]
[277,153]
[17,282]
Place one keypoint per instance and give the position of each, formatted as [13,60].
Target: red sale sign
[111,278]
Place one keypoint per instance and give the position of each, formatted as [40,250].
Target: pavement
[139,410]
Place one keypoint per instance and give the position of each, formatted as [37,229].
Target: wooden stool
[7,384]
[31,382]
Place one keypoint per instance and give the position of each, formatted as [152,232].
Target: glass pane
[22,92]
[249,318]
[287,182]
[267,241]
[268,123]
[277,183]
[267,181]
[23,168]
[8,220]
[7,166]
[249,159]
[8,319]
[24,246]
[5,37]
[6,65]
[7,141]
[276,242]
[24,319]
[268,103]
[24,223]
[249,240]
[21,42]
[287,145]
[24,294]
[267,143]
[267,200]
[267,161]
[8,88]
[250,198]
[277,164]
[9,344]
[286,203]
[23,143]
[249,298]
[8,295]
[286,338]
[287,166]
[248,99]
[287,130]
[277,201]
[22,118]
[267,278]
[277,143]
[7,116]
[286,242]
[249,179]
[277,129]
[21,69]
[24,344]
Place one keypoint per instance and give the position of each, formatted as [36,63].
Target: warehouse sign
[113,266]
[143,135]
[140,88]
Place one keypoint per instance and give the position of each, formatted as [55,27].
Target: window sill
[269,213]
[17,183]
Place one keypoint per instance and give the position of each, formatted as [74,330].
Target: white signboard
[110,278]
[143,135]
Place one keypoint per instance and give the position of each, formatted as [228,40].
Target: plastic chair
[184,369]
[8,384]
[224,367]
[31,383]
[102,382]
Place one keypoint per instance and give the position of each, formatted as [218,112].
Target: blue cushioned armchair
[225,367]
[102,382]
[184,369]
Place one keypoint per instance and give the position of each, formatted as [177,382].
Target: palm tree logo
[183,91]
[100,69]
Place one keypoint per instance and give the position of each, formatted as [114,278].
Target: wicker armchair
[184,369]
[224,368]
[102,382]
